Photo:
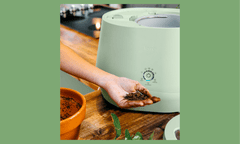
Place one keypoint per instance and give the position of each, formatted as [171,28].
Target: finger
[155,99]
[134,103]
[143,90]
[130,104]
[147,101]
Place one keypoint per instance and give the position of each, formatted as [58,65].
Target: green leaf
[151,136]
[138,136]
[127,135]
[116,125]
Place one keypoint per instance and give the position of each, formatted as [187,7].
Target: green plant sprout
[138,135]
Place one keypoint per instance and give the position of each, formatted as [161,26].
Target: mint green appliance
[143,44]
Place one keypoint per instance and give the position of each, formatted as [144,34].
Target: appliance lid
[146,18]
[160,20]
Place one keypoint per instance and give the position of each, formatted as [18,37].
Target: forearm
[73,64]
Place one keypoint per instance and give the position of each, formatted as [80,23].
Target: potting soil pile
[68,107]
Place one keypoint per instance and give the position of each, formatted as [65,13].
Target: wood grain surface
[84,45]
[98,124]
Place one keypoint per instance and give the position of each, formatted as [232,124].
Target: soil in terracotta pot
[68,107]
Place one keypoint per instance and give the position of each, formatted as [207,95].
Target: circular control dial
[148,75]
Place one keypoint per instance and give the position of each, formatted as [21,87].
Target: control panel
[148,76]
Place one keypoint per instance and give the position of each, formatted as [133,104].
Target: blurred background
[143,5]
[86,18]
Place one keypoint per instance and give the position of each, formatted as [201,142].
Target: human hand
[119,87]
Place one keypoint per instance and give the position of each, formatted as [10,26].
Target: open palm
[121,86]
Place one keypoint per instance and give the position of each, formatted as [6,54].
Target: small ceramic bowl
[172,129]
[70,127]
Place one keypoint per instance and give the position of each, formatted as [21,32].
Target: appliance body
[143,44]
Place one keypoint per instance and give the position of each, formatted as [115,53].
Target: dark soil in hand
[136,96]
[68,107]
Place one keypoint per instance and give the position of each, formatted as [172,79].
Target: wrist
[107,81]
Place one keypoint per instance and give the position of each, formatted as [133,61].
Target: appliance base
[170,102]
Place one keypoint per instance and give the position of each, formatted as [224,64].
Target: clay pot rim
[79,111]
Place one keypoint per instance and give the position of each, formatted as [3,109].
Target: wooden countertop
[98,124]
[85,46]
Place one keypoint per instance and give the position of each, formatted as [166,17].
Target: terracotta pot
[70,127]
